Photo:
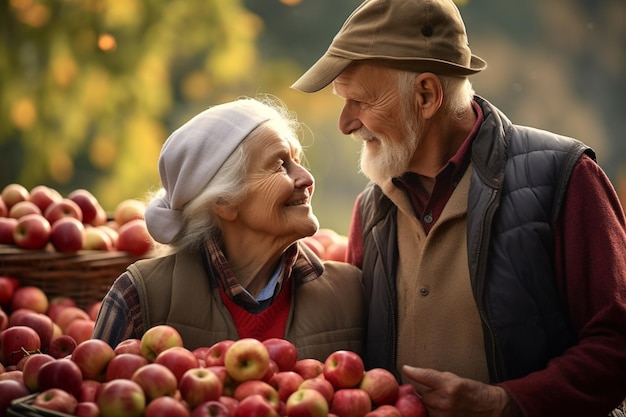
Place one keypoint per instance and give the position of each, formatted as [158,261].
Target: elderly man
[493,254]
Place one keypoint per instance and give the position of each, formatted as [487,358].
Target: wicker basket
[85,276]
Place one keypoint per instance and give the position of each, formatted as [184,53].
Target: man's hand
[447,395]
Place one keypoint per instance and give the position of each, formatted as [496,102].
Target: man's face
[377,112]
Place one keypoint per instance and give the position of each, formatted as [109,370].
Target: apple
[178,359]
[4,210]
[4,319]
[306,403]
[56,399]
[216,352]
[7,228]
[199,385]
[87,409]
[315,245]
[10,390]
[92,357]
[68,315]
[344,369]
[93,309]
[381,385]
[286,383]
[60,373]
[111,232]
[89,390]
[31,298]
[13,373]
[156,380]
[157,339]
[255,406]
[228,383]
[58,303]
[283,352]
[131,345]
[409,402]
[39,322]
[80,330]
[7,288]
[337,251]
[96,238]
[121,398]
[326,236]
[319,384]
[247,359]
[14,193]
[128,210]
[166,407]
[385,410]
[271,371]
[43,196]
[133,237]
[230,403]
[309,367]
[200,353]
[63,208]
[16,342]
[124,365]
[212,409]
[66,234]
[351,402]
[61,346]
[32,231]
[257,387]
[23,208]
[88,203]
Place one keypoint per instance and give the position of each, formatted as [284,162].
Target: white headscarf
[192,155]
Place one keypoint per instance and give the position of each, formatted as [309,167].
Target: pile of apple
[157,376]
[328,244]
[42,217]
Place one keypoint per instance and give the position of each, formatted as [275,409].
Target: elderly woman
[235,202]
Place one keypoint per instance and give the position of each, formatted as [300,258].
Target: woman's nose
[303,178]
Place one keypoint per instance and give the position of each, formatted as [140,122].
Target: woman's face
[278,201]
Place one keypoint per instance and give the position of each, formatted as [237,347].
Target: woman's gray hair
[228,186]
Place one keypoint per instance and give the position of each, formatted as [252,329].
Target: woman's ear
[428,94]
[224,210]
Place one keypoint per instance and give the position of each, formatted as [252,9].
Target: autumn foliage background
[90,89]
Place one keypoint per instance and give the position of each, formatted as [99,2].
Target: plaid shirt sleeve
[120,314]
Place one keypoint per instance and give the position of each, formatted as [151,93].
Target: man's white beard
[388,159]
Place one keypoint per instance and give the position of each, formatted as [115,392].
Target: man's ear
[224,210]
[428,94]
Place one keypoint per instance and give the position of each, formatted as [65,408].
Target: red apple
[31,298]
[351,402]
[315,245]
[23,208]
[157,339]
[10,390]
[89,390]
[124,365]
[39,322]
[255,406]
[200,353]
[326,236]
[252,387]
[61,346]
[134,238]
[228,383]
[93,309]
[216,352]
[271,371]
[128,210]
[121,398]
[7,228]
[156,380]
[68,315]
[230,403]
[166,407]
[87,409]
[199,385]
[409,402]
[337,250]
[283,352]
[16,342]
[95,238]
[385,410]
[67,234]
[32,231]
[306,403]
[88,203]
[286,383]
[4,210]
[43,196]
[80,330]
[4,320]
[212,409]
[381,385]
[63,208]
[344,369]
[128,346]
[56,399]
[247,359]
[178,359]
[14,193]
[319,384]
[309,367]
[111,232]
[58,303]
[60,373]
[13,373]
[92,357]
